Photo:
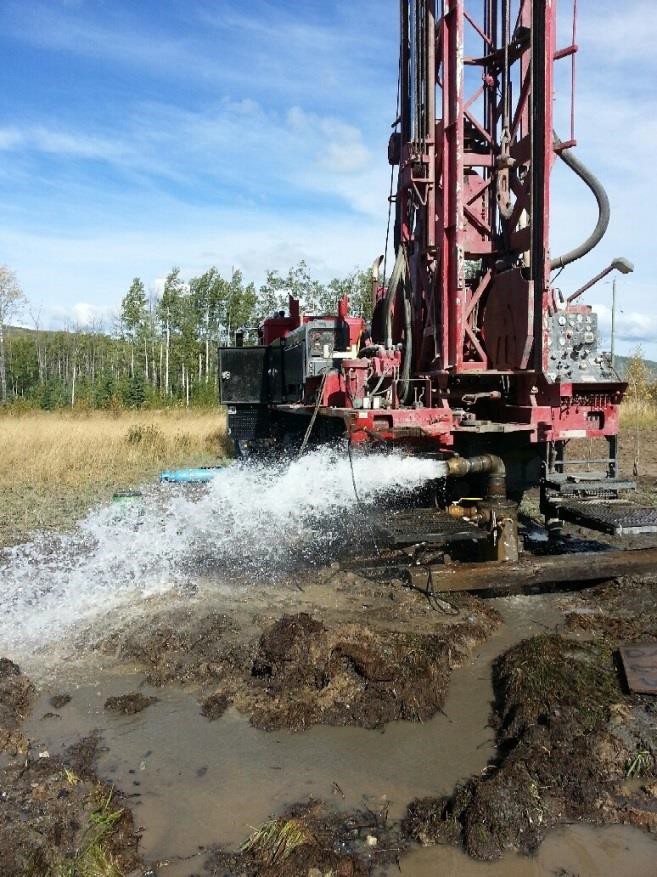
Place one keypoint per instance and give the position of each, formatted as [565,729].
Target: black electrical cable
[359,502]
[318,402]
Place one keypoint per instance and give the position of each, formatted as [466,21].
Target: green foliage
[183,328]
[133,391]
[133,308]
[638,377]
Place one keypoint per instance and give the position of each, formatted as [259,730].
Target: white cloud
[81,315]
[620,32]
[637,327]
[10,138]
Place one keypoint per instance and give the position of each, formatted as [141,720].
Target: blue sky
[138,135]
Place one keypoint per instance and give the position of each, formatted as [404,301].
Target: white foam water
[252,518]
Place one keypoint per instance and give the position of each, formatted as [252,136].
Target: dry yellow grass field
[54,465]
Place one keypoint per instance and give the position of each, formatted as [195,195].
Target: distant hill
[622,363]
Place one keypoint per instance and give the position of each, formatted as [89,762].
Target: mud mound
[567,739]
[311,840]
[298,671]
[56,821]
[178,646]
[129,704]
[60,700]
[620,611]
[306,673]
[16,696]
[214,706]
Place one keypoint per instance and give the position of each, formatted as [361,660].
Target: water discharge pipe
[483,464]
[495,511]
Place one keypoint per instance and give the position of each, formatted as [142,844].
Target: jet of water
[253,518]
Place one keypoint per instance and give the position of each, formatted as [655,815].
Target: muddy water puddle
[569,851]
[194,782]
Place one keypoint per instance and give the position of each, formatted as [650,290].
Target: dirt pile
[309,841]
[303,673]
[620,611]
[297,671]
[568,738]
[179,646]
[129,704]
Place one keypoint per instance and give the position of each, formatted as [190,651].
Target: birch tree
[12,300]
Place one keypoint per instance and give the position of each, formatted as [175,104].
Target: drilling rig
[473,354]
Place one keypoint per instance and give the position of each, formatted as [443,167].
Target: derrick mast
[472,349]
[474,148]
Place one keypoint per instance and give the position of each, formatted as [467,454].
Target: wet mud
[57,816]
[573,744]
[129,704]
[310,839]
[305,668]
[498,724]
[16,696]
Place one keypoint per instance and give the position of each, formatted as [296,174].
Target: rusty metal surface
[618,519]
[532,571]
[640,665]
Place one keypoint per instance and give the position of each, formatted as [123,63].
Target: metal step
[586,482]
[426,525]
[615,518]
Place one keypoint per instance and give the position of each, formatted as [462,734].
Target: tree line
[161,349]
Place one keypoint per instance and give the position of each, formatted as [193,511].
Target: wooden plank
[640,665]
[496,575]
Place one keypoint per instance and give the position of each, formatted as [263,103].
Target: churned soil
[179,645]
[572,745]
[310,840]
[129,704]
[56,817]
[305,672]
[16,696]
[309,667]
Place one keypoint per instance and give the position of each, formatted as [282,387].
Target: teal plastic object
[190,476]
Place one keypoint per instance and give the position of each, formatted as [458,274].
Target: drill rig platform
[472,354]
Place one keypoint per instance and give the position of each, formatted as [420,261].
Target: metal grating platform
[587,483]
[615,518]
[427,525]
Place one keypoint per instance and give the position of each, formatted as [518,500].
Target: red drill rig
[472,354]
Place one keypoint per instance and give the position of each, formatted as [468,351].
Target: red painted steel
[475,148]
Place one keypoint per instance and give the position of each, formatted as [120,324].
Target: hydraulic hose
[597,188]
[398,271]
[399,275]
[408,351]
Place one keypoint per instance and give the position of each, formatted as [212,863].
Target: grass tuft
[93,859]
[277,838]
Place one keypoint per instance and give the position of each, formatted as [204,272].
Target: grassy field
[54,465]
